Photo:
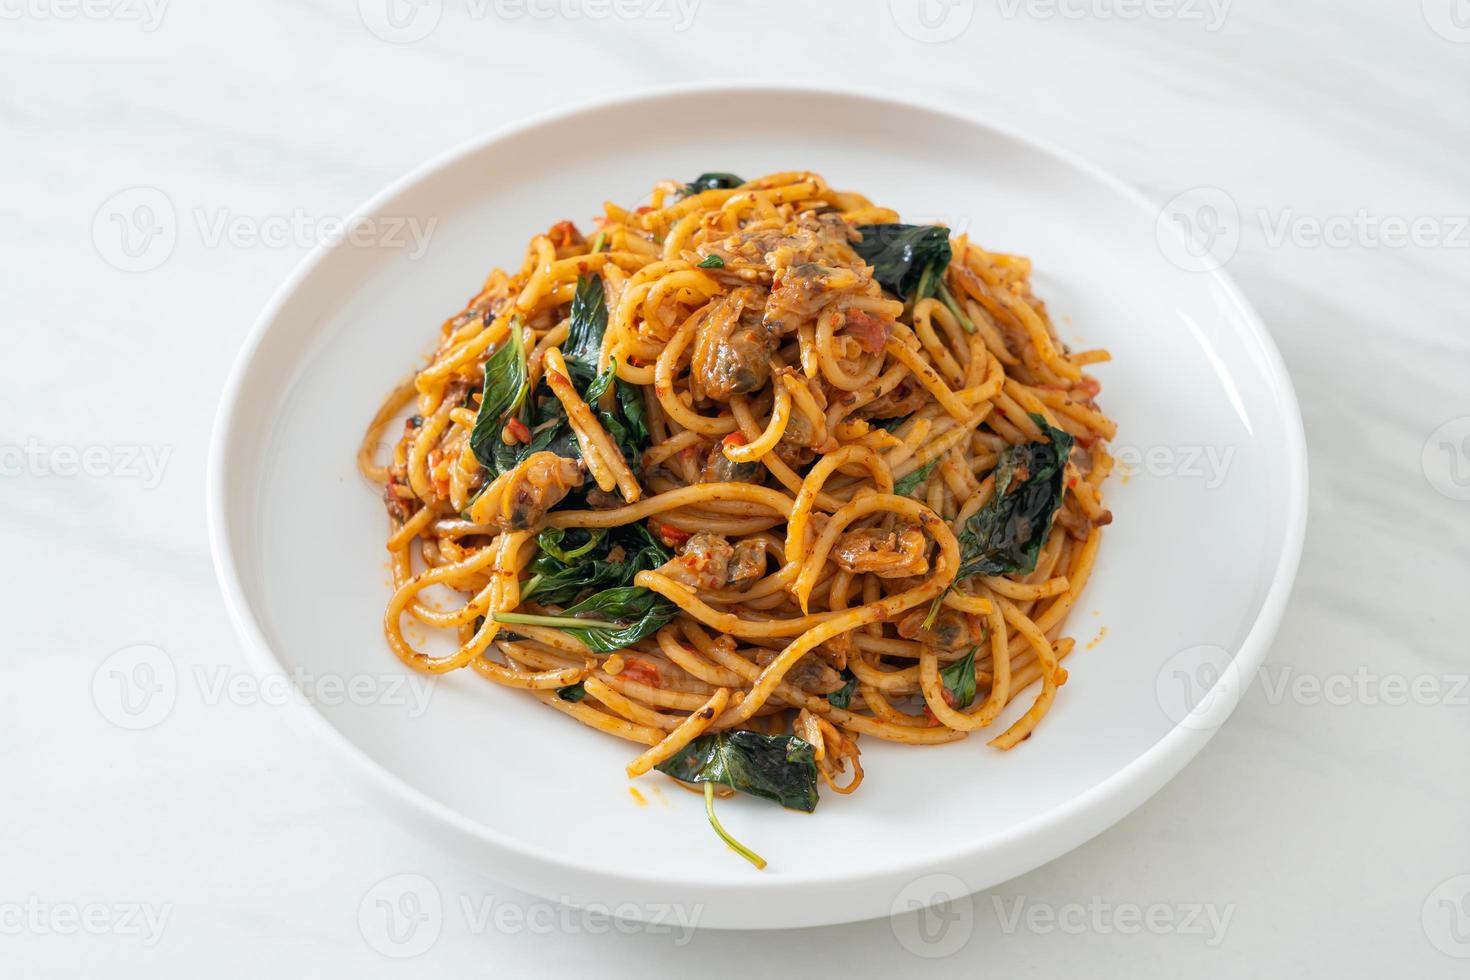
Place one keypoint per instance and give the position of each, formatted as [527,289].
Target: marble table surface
[1322,833]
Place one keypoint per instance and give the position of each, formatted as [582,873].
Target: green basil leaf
[959,679]
[635,413]
[636,613]
[559,580]
[712,181]
[599,386]
[586,324]
[555,541]
[543,413]
[780,768]
[1006,535]
[910,261]
[506,382]
[572,693]
[627,423]
[907,260]
[554,435]
[907,485]
[712,262]
[842,697]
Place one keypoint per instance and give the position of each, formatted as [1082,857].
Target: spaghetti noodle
[755,472]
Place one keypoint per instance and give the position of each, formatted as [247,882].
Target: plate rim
[1087,813]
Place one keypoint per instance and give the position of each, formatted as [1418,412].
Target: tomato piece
[869,331]
[670,535]
[641,672]
[518,430]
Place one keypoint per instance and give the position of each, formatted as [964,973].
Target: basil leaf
[599,386]
[587,323]
[907,485]
[636,613]
[561,577]
[780,768]
[905,257]
[712,181]
[564,584]
[959,679]
[572,693]
[543,413]
[556,438]
[641,548]
[842,697]
[553,435]
[506,382]
[712,262]
[627,423]
[552,540]
[1006,534]
[910,261]
[582,349]
[635,413]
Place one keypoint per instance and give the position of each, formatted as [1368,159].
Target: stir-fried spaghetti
[754,471]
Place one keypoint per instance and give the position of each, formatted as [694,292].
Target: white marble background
[1325,826]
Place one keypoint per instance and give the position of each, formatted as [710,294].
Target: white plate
[1200,559]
